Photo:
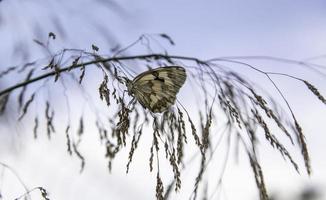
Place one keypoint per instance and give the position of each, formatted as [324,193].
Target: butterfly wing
[157,89]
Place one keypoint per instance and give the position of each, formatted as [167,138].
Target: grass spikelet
[36,123]
[199,176]
[233,113]
[273,140]
[205,145]
[314,90]
[151,158]
[176,171]
[182,124]
[68,140]
[101,131]
[49,120]
[206,131]
[50,65]
[81,127]
[181,127]
[7,71]
[79,155]
[303,145]
[259,178]
[122,127]
[179,147]
[134,145]
[75,62]
[111,151]
[260,101]
[82,75]
[57,72]
[104,91]
[3,102]
[159,187]
[26,105]
[168,38]
[194,132]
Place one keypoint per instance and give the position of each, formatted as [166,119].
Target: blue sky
[204,29]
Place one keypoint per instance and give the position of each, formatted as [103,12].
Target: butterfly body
[156,89]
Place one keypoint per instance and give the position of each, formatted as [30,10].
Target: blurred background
[285,29]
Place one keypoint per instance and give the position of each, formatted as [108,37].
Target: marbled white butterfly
[156,89]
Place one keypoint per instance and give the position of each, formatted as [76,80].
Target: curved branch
[75,66]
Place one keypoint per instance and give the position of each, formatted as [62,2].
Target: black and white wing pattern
[156,89]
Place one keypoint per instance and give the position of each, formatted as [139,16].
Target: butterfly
[156,89]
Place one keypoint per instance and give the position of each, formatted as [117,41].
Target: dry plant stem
[163,56]
[49,74]
[284,60]
[18,178]
[41,189]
